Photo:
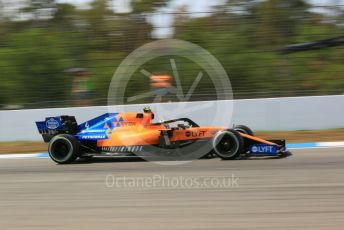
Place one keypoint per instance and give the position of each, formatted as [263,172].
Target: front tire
[244,129]
[228,144]
[63,148]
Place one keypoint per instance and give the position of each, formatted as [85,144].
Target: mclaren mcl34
[135,134]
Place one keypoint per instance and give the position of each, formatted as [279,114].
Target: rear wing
[53,126]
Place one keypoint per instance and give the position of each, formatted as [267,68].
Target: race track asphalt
[303,191]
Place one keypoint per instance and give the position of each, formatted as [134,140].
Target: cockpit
[183,123]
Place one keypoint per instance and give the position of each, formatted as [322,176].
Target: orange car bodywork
[134,131]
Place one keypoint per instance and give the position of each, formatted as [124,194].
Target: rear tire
[228,144]
[63,148]
[244,129]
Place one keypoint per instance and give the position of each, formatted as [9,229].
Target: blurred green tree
[35,64]
[277,20]
[46,37]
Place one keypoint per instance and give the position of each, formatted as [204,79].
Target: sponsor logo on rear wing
[52,122]
[49,124]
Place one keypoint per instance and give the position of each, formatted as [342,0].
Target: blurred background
[63,53]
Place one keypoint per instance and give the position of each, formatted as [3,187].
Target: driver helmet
[147,110]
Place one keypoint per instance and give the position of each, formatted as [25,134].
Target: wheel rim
[225,144]
[60,150]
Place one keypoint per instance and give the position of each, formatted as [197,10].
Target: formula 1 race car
[131,133]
